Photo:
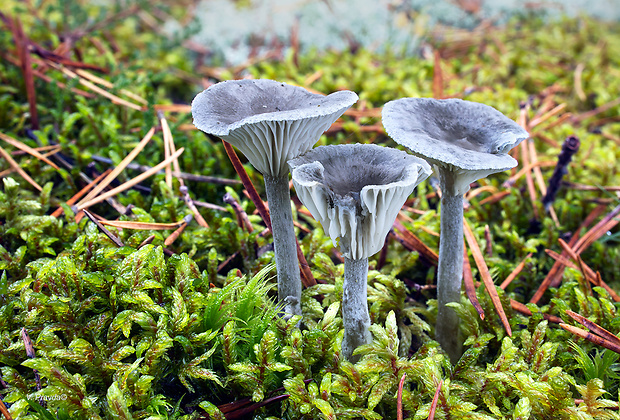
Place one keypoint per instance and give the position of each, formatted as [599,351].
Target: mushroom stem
[355,306]
[285,248]
[450,270]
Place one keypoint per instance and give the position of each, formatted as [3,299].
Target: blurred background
[234,30]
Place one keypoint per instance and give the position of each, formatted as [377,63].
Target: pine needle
[105,83]
[413,243]
[470,287]
[18,169]
[515,272]
[81,193]
[124,224]
[115,99]
[122,165]
[486,276]
[131,182]
[592,337]
[21,146]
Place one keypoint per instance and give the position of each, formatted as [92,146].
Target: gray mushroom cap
[466,137]
[268,121]
[356,191]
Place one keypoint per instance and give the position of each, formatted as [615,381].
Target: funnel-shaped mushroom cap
[356,190]
[268,121]
[467,137]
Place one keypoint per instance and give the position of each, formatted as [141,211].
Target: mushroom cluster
[356,191]
[270,123]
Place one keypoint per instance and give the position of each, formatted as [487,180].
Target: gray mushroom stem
[465,141]
[285,248]
[355,315]
[450,271]
[356,191]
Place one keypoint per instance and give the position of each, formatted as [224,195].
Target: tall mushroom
[271,122]
[465,141]
[355,191]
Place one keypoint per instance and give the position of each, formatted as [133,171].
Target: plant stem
[355,306]
[450,273]
[284,243]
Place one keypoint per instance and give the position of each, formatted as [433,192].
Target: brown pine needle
[122,165]
[21,146]
[81,193]
[103,230]
[538,120]
[554,276]
[437,77]
[399,398]
[588,273]
[131,182]
[526,168]
[413,243]
[174,235]
[561,258]
[515,272]
[178,108]
[125,224]
[592,337]
[594,327]
[583,187]
[597,110]
[540,181]
[477,191]
[470,287]
[115,99]
[5,412]
[597,231]
[522,309]
[147,241]
[431,413]
[566,116]
[529,180]
[52,151]
[247,183]
[21,44]
[486,276]
[105,83]
[18,169]
[242,217]
[492,199]
[168,148]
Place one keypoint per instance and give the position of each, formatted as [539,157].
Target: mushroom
[465,141]
[356,191]
[271,122]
